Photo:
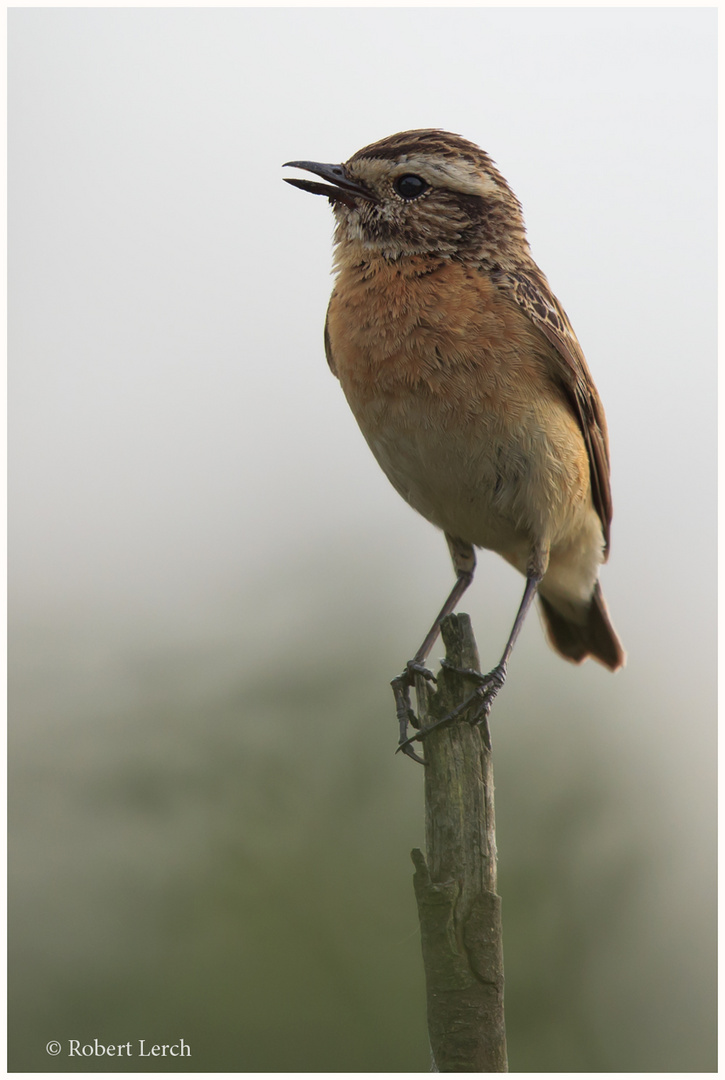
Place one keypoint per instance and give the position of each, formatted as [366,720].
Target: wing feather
[328,343]
[530,290]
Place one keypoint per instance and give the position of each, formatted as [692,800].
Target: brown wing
[328,345]
[530,289]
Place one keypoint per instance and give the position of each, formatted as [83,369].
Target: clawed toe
[401,685]
[475,709]
[413,668]
[494,679]
[406,748]
[467,672]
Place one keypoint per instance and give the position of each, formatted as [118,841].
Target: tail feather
[593,636]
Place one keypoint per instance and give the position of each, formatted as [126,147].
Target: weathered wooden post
[455,882]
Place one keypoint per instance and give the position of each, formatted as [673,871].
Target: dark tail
[591,634]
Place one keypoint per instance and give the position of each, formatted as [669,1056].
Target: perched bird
[468,383]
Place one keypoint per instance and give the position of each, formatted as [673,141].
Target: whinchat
[469,385]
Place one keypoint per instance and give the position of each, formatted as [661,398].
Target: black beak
[342,190]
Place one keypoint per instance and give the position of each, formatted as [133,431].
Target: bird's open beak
[342,189]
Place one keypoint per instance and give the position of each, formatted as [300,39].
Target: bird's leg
[478,705]
[464,561]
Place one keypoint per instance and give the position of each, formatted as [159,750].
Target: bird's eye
[409,186]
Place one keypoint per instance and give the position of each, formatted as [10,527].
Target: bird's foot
[401,685]
[415,667]
[475,709]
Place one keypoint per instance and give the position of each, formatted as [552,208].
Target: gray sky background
[185,477]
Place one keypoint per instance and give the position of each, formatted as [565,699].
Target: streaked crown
[432,192]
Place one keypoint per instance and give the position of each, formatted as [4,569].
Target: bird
[469,385]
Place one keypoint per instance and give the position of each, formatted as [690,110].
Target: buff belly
[512,487]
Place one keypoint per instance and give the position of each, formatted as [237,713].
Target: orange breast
[449,382]
[443,332]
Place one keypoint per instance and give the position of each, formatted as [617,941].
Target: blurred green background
[207,853]
[211,583]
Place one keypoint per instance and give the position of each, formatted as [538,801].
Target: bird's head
[424,192]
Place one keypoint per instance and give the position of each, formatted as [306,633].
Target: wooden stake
[455,886]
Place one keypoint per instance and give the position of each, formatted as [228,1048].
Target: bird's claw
[408,750]
[497,675]
[401,685]
[478,703]
[415,667]
[483,697]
